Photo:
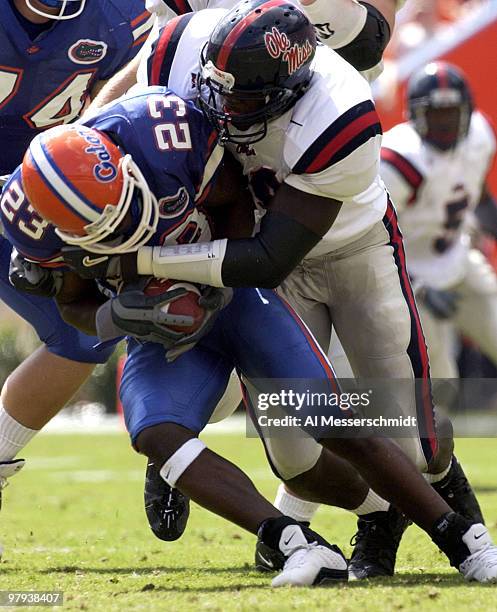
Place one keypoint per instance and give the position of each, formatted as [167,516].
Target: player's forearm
[78,302]
[262,261]
[358,31]
[80,315]
[107,91]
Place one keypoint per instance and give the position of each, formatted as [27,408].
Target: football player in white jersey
[435,167]
[358,31]
[332,208]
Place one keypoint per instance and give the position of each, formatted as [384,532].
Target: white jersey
[328,144]
[166,10]
[435,193]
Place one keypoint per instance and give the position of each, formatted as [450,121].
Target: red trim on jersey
[341,139]
[211,145]
[160,50]
[142,17]
[239,29]
[418,341]
[19,72]
[141,40]
[404,167]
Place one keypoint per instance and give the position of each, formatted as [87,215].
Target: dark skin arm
[78,302]
[230,205]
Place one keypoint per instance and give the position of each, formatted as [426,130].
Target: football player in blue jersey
[138,174]
[55,55]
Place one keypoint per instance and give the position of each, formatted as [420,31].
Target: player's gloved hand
[95,266]
[213,299]
[133,313]
[263,185]
[442,303]
[31,278]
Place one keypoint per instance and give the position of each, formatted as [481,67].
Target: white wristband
[337,22]
[198,263]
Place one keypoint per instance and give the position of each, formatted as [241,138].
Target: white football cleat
[481,565]
[308,564]
[8,469]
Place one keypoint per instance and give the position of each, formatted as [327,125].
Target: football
[187,305]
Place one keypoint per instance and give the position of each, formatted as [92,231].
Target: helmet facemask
[443,123]
[104,235]
[218,98]
[68,9]
[254,68]
[440,105]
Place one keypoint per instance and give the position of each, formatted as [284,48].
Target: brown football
[187,305]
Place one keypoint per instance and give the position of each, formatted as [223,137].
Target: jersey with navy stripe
[174,147]
[46,81]
[328,144]
[435,193]
[169,9]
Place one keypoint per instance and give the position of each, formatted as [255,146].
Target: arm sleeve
[402,179]
[262,261]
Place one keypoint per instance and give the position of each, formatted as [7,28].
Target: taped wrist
[198,263]
[262,261]
[337,22]
[366,49]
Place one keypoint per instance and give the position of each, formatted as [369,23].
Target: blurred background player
[55,55]
[435,167]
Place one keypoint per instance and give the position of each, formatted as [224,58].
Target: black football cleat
[458,493]
[375,544]
[268,559]
[167,508]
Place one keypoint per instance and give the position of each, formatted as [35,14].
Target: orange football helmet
[79,180]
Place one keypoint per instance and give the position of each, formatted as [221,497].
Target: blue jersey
[46,81]
[176,150]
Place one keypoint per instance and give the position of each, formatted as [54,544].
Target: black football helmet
[255,66]
[440,86]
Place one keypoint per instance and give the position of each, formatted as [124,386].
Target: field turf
[73,520]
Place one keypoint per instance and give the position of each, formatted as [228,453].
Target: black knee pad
[366,50]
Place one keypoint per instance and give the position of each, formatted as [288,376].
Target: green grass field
[73,521]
